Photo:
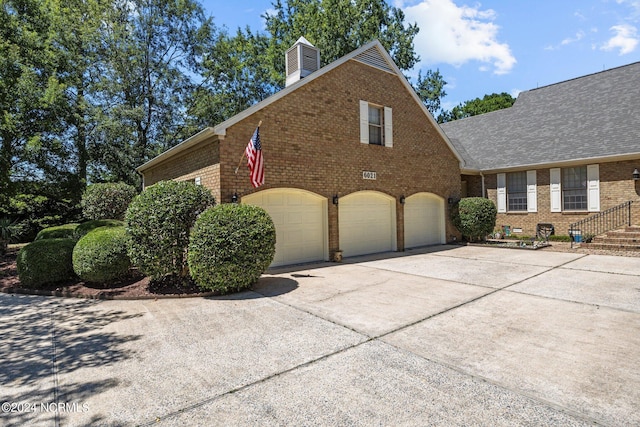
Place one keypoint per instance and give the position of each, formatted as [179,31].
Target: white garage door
[300,221]
[366,223]
[423,220]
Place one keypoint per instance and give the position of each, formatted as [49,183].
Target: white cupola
[302,59]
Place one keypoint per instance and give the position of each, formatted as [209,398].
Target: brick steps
[625,239]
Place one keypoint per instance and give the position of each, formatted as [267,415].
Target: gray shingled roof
[594,116]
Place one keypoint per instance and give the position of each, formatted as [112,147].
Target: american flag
[255,162]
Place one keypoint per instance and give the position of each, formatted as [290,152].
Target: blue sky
[493,46]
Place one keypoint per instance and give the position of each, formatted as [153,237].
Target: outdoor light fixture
[450,200]
[636,174]
[402,200]
[234,198]
[335,199]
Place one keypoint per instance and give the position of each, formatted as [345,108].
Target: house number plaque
[368,175]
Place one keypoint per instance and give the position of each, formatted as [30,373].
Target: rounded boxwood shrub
[45,261]
[101,255]
[57,232]
[158,222]
[231,246]
[88,226]
[475,217]
[109,200]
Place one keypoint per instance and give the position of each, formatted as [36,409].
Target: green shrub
[57,232]
[103,201]
[231,246]
[158,222]
[559,238]
[101,255]
[45,261]
[475,217]
[88,226]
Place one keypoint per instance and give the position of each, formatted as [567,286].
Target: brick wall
[200,161]
[311,140]
[616,187]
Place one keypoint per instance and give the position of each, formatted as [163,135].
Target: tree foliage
[474,107]
[249,66]
[91,89]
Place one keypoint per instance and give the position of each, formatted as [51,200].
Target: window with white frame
[517,191]
[575,188]
[376,126]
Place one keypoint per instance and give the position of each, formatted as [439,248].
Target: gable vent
[373,58]
[302,59]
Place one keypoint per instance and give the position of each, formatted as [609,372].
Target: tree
[236,76]
[77,44]
[478,106]
[430,89]
[28,90]
[153,51]
[247,67]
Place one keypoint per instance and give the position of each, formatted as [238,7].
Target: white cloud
[625,39]
[569,40]
[579,36]
[457,34]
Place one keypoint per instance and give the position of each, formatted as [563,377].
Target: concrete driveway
[441,336]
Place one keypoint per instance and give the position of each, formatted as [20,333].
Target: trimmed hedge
[158,222]
[230,247]
[559,238]
[57,232]
[101,255]
[45,261]
[475,217]
[88,226]
[109,200]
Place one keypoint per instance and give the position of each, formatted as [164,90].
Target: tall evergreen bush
[158,223]
[475,217]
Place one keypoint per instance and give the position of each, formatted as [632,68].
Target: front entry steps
[624,239]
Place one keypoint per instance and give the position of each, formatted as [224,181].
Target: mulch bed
[136,286]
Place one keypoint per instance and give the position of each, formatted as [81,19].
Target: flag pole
[244,153]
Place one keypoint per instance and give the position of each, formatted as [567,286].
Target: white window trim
[387,131]
[532,195]
[555,186]
[502,192]
[532,192]
[593,188]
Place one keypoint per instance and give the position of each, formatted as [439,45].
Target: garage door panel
[274,200]
[366,222]
[424,220]
[300,223]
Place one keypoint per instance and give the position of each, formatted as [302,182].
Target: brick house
[353,160]
[561,153]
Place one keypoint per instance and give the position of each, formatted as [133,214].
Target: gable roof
[372,54]
[594,117]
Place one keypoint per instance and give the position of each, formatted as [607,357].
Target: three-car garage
[366,223]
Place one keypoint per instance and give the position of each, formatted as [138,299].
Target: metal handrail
[602,222]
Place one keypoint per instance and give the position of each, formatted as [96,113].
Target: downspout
[483,189]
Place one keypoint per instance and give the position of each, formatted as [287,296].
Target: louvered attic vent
[374,58]
[302,59]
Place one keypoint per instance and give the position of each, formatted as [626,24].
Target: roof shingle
[589,117]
